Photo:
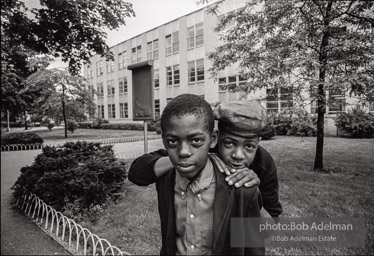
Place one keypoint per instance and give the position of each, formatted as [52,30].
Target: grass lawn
[57,135]
[346,191]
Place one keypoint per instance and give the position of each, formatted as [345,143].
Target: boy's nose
[238,154]
[185,150]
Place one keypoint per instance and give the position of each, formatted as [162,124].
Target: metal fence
[18,147]
[75,238]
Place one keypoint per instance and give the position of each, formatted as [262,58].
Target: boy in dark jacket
[195,203]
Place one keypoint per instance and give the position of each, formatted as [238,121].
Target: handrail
[63,229]
[19,147]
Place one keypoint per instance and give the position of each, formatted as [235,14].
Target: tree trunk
[64,116]
[25,115]
[318,161]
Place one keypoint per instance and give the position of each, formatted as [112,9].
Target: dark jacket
[228,202]
[263,165]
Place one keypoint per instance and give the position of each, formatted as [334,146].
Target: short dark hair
[188,104]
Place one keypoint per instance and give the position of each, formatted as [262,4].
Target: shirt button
[192,246]
[199,196]
[192,216]
[182,193]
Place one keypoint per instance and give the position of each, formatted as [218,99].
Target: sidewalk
[19,235]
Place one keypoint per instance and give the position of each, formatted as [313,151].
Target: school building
[178,50]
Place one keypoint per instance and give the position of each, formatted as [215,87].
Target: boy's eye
[172,142]
[197,141]
[250,146]
[228,143]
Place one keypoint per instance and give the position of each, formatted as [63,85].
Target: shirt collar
[200,184]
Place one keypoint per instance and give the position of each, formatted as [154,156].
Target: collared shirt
[194,212]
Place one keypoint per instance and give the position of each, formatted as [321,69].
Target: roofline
[163,24]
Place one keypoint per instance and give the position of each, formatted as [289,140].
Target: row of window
[123,110]
[195,38]
[195,73]
[122,86]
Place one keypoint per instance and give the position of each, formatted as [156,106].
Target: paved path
[19,236]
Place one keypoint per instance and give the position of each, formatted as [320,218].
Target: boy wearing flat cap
[240,124]
[195,204]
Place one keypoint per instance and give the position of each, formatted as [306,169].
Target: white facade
[179,53]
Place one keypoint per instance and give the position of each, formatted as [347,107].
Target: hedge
[78,173]
[20,138]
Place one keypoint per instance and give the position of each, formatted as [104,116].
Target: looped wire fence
[18,147]
[75,238]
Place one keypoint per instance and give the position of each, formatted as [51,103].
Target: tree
[309,46]
[63,95]
[73,30]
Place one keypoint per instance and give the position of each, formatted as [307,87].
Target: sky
[149,14]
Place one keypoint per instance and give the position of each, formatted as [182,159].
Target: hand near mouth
[238,175]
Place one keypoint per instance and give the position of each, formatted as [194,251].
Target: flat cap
[242,118]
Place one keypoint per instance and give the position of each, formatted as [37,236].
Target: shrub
[155,125]
[72,125]
[84,125]
[83,173]
[294,122]
[268,132]
[355,124]
[97,123]
[128,126]
[12,124]
[21,138]
[50,126]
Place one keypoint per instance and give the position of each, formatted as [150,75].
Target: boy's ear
[214,138]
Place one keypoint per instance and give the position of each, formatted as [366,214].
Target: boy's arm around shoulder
[141,171]
[265,168]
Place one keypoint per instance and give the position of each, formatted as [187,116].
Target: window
[337,100]
[232,83]
[172,75]
[89,72]
[110,66]
[200,69]
[136,54]
[111,88]
[123,110]
[100,111]
[91,91]
[122,60]
[169,76]
[156,78]
[157,108]
[176,75]
[149,51]
[111,110]
[278,99]
[168,44]
[152,49]
[371,106]
[99,68]
[122,82]
[172,43]
[100,90]
[222,86]
[175,42]
[191,72]
[199,34]
[155,49]
[195,35]
[314,107]
[190,37]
